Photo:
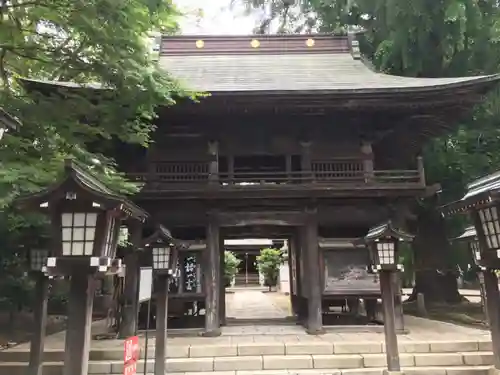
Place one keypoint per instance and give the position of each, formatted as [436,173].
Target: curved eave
[452,86]
[465,205]
[9,121]
[470,84]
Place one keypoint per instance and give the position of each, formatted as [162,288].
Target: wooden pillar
[314,311]
[161,325]
[306,160]
[35,366]
[222,284]
[482,291]
[368,168]
[131,289]
[421,170]
[398,302]
[78,335]
[292,273]
[288,167]
[391,340]
[213,166]
[212,279]
[493,305]
[230,168]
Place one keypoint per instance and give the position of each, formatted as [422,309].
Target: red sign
[130,355]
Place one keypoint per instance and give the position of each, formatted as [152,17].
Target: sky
[217,18]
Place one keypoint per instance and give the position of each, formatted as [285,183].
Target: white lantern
[38,259]
[78,233]
[476,250]
[491,228]
[386,252]
[161,258]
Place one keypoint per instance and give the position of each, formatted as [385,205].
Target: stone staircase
[450,357]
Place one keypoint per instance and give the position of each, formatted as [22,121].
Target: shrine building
[299,139]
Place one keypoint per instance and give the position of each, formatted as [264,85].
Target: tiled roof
[277,63]
[292,73]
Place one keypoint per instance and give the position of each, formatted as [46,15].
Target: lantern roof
[386,230]
[479,192]
[468,234]
[160,235]
[8,121]
[80,182]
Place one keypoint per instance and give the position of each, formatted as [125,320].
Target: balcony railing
[197,180]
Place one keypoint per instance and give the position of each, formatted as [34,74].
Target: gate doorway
[247,300]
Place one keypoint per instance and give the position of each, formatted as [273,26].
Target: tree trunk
[435,271]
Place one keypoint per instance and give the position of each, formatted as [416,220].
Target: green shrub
[268,263]
[231,264]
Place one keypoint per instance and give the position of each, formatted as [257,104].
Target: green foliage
[102,48]
[99,44]
[231,264]
[268,263]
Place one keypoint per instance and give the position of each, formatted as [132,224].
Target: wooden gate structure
[299,139]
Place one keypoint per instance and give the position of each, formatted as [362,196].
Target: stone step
[274,363]
[457,370]
[265,348]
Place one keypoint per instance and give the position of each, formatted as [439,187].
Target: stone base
[316,332]
[387,372]
[214,333]
[494,371]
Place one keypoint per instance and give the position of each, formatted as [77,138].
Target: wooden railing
[172,180]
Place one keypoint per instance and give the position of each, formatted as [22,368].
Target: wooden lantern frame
[482,196]
[388,234]
[162,238]
[79,192]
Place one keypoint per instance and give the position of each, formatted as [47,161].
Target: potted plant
[268,263]
[231,264]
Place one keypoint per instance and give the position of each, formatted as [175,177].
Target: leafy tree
[423,38]
[268,263]
[101,47]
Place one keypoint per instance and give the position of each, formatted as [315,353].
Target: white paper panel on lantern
[79,220]
[66,248]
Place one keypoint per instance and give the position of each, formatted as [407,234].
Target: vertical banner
[130,355]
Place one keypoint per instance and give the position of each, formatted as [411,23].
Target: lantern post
[470,237]
[37,264]
[383,242]
[164,262]
[85,218]
[482,203]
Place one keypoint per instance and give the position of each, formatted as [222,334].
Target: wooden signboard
[346,272]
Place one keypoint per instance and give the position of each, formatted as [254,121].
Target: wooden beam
[242,219]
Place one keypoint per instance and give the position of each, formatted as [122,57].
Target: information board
[145,284]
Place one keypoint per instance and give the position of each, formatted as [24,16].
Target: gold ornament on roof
[255,43]
[200,44]
[310,42]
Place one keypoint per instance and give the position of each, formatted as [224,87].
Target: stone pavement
[256,304]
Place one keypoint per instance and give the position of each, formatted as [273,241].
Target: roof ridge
[254,44]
